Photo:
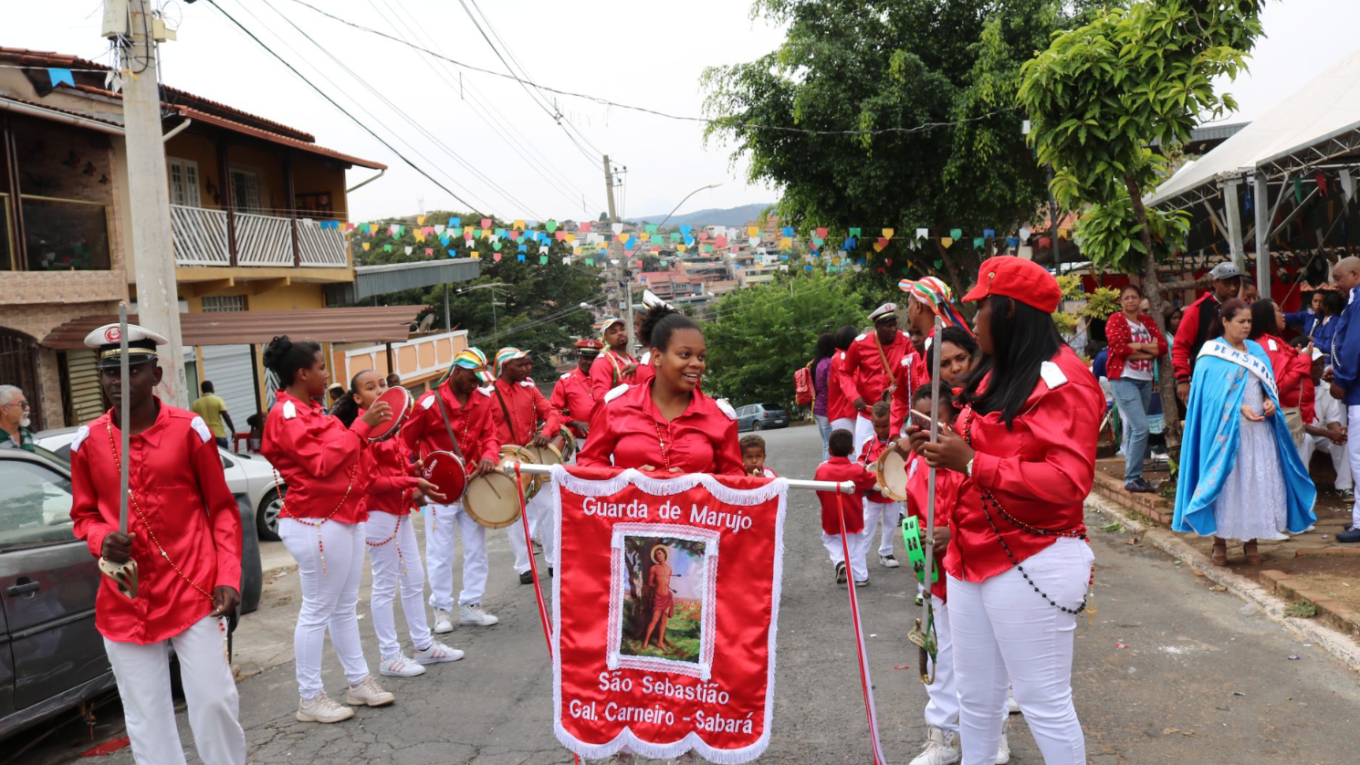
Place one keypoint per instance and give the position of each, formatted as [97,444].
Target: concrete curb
[1335,643]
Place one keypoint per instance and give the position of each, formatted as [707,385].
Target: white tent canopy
[1319,122]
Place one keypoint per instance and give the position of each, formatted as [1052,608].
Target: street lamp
[686,199]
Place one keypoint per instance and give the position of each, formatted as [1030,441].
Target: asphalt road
[1169,670]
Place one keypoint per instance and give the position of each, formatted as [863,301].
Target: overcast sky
[636,52]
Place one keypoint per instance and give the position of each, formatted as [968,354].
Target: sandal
[1220,554]
[1250,552]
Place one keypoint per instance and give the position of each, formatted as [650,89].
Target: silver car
[51,656]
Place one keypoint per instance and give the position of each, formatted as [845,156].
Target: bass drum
[512,453]
[492,500]
[544,455]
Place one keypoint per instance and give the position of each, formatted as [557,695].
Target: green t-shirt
[210,407]
[25,441]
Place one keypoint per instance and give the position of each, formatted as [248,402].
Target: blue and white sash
[1221,350]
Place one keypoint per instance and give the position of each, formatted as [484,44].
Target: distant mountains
[732,216]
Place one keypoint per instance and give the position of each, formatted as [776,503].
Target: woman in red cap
[667,425]
[1018,564]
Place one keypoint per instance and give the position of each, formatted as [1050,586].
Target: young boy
[839,468]
[942,710]
[753,457]
[1324,426]
[879,510]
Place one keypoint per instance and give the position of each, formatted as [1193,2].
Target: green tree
[538,308]
[759,336]
[1102,93]
[887,68]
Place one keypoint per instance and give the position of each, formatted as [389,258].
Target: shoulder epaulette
[615,393]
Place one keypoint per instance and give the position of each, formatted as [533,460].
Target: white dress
[1252,503]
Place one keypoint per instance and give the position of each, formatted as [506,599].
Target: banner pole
[845,487]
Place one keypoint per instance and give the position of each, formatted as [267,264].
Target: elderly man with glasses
[14,422]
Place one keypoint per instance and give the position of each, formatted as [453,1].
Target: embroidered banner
[667,604]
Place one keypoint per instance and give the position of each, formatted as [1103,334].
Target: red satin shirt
[1040,470]
[526,406]
[645,371]
[606,373]
[838,407]
[948,485]
[842,469]
[629,429]
[175,476]
[863,374]
[572,397]
[391,476]
[912,373]
[1291,367]
[424,431]
[868,457]
[318,459]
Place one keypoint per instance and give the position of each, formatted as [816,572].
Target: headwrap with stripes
[469,358]
[936,295]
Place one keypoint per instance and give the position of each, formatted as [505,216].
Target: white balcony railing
[202,239]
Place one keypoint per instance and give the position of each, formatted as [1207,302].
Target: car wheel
[755,426]
[267,519]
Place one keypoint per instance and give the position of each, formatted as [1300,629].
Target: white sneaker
[1003,749]
[400,666]
[888,561]
[861,582]
[941,749]
[443,621]
[438,653]
[1012,706]
[321,709]
[369,693]
[475,615]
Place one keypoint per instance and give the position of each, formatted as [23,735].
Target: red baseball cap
[1019,279]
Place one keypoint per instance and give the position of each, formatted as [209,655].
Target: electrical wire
[503,128]
[726,123]
[402,114]
[340,108]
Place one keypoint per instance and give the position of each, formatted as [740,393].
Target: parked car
[51,656]
[762,417]
[248,474]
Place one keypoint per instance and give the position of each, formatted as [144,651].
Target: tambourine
[400,400]
[448,473]
[491,499]
[891,470]
[916,556]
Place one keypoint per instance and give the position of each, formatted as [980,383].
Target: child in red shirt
[847,509]
[753,457]
[880,511]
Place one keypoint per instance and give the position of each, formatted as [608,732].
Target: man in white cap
[869,372]
[1198,322]
[616,365]
[184,533]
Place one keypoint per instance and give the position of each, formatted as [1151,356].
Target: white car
[248,474]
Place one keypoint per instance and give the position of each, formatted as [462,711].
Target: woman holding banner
[668,425]
[1018,563]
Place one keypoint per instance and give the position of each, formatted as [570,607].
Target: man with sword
[151,501]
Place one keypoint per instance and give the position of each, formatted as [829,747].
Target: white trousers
[441,521]
[845,423]
[1340,460]
[857,542]
[395,557]
[330,597]
[539,510]
[143,675]
[864,430]
[1353,451]
[942,710]
[1002,628]
[881,516]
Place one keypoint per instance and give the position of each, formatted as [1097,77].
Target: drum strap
[509,421]
[439,399]
[887,370]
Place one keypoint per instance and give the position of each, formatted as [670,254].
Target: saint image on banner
[665,584]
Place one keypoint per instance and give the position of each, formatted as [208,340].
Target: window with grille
[183,182]
[224,303]
[247,190]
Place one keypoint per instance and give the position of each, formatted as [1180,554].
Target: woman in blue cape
[1240,475]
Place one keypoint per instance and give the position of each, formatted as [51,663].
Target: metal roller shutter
[227,367]
[87,400]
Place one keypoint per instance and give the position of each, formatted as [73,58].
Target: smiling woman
[666,425]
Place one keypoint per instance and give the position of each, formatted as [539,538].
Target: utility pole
[617,252]
[153,254]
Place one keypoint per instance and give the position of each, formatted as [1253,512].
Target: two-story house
[258,212]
